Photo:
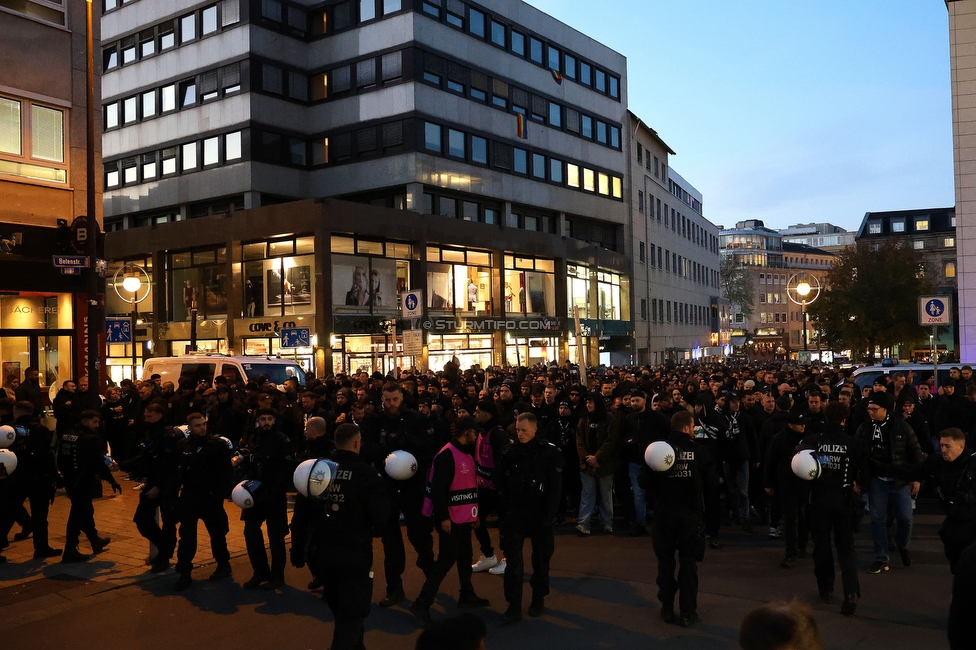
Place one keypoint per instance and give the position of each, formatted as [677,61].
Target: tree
[736,285]
[871,298]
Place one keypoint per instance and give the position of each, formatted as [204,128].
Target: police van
[195,368]
[866,375]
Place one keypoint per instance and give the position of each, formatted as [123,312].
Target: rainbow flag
[520,126]
[558,76]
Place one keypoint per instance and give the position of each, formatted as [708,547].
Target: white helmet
[8,463]
[245,493]
[401,465]
[659,456]
[7,436]
[226,441]
[313,477]
[805,465]
[184,429]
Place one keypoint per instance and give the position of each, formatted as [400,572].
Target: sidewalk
[122,563]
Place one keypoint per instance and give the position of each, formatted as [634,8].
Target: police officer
[267,456]
[352,511]
[35,479]
[530,481]
[205,475]
[451,498]
[82,468]
[385,431]
[678,527]
[157,463]
[834,503]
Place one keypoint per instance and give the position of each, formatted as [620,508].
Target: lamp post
[133,280]
[803,289]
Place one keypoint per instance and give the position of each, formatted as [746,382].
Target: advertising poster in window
[293,286]
[364,282]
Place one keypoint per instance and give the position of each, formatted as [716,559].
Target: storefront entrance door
[50,353]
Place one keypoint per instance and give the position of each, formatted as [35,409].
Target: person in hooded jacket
[740,452]
[597,443]
[781,483]
[639,429]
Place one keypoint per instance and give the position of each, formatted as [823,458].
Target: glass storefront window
[463,286]
[469,349]
[530,351]
[36,312]
[372,280]
[278,277]
[529,292]
[614,303]
[197,277]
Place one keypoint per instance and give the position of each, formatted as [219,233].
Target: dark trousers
[677,533]
[81,518]
[572,485]
[211,512]
[453,548]
[274,511]
[543,546]
[347,588]
[957,535]
[408,500]
[163,537]
[488,502]
[621,488]
[837,516]
[13,511]
[795,524]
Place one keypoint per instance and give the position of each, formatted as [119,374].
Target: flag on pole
[521,126]
[558,76]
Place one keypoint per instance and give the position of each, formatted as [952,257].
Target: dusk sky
[789,112]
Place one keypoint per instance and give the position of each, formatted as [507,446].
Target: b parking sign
[934,310]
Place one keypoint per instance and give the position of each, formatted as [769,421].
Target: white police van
[199,367]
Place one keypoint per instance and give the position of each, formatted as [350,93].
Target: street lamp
[133,280]
[803,289]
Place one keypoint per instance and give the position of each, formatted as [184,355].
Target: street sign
[80,232]
[413,343]
[413,304]
[70,261]
[296,337]
[935,310]
[65,271]
[118,330]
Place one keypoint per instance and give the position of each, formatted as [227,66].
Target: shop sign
[364,324]
[251,327]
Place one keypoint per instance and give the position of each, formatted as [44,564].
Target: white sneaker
[498,569]
[775,532]
[484,563]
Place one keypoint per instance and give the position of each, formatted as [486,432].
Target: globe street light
[803,289]
[134,279]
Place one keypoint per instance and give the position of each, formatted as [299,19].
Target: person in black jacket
[342,523]
[65,407]
[710,427]
[640,428]
[29,390]
[564,437]
[678,528]
[83,467]
[267,456]
[385,431]
[318,444]
[205,477]
[740,452]
[892,442]
[782,484]
[530,481]
[834,504]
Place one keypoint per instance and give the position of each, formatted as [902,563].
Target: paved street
[603,597]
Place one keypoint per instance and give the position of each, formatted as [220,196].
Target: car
[196,368]
[866,375]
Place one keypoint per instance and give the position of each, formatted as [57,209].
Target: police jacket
[892,441]
[600,439]
[956,482]
[268,456]
[205,468]
[157,460]
[683,487]
[738,441]
[353,509]
[638,430]
[408,431]
[843,460]
[81,462]
[35,461]
[530,481]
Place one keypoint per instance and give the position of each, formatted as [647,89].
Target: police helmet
[8,463]
[245,493]
[313,476]
[805,465]
[226,441]
[184,429]
[7,436]
[659,456]
[401,465]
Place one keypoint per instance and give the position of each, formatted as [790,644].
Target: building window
[432,137]
[949,242]
[149,104]
[31,132]
[521,161]
[921,225]
[111,115]
[188,28]
[898,226]
[556,170]
[476,23]
[367,10]
[535,50]
[950,269]
[455,143]
[479,150]
[589,177]
[209,20]
[518,43]
[918,244]
[391,6]
[189,156]
[498,33]
[874,228]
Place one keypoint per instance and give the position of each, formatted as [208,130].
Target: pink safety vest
[462,497]
[484,460]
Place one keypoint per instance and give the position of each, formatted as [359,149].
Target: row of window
[186,157]
[32,141]
[680,266]
[666,311]
[684,196]
[660,168]
[170,33]
[454,143]
[187,93]
[679,223]
[495,30]
[50,11]
[921,224]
